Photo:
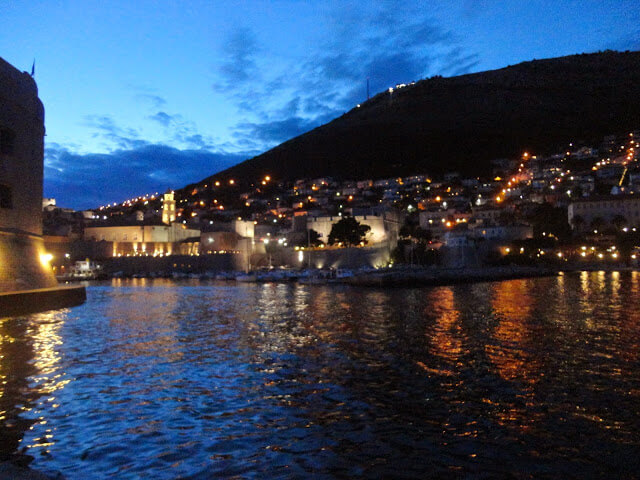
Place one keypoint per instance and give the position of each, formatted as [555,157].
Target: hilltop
[461,123]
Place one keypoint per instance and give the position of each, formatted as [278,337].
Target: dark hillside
[461,123]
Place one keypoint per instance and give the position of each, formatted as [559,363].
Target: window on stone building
[7,141]
[6,199]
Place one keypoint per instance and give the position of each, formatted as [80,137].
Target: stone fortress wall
[22,262]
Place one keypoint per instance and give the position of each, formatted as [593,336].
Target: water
[534,378]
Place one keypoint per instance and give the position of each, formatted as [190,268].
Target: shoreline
[398,276]
[437,277]
[449,276]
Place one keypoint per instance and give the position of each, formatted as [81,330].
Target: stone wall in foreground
[21,267]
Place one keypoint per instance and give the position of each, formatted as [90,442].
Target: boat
[83,270]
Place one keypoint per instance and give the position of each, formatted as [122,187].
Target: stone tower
[168,208]
[23,261]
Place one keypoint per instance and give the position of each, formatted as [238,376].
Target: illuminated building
[147,239]
[168,208]
[583,212]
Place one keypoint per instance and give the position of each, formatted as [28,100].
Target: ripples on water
[530,378]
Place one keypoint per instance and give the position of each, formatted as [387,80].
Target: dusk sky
[145,95]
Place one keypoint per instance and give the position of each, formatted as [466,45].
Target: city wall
[374,256]
[22,264]
[21,267]
[175,263]
[357,257]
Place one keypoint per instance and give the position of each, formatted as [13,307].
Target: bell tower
[168,208]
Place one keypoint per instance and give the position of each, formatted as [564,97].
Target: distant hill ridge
[461,123]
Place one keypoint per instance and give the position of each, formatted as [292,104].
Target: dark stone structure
[23,262]
[27,283]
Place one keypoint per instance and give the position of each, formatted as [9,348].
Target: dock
[25,302]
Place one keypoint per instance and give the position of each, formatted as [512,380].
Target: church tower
[168,208]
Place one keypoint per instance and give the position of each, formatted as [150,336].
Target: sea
[164,379]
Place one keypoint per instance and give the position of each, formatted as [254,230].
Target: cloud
[277,98]
[382,42]
[182,131]
[113,136]
[239,65]
[275,131]
[457,62]
[162,118]
[81,180]
[178,131]
[153,101]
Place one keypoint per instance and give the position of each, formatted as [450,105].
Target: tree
[619,221]
[414,232]
[626,242]
[550,219]
[598,223]
[348,231]
[416,238]
[311,239]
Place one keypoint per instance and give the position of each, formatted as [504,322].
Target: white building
[504,233]
[605,208]
[143,239]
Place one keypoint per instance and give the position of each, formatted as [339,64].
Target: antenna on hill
[33,68]
[368,96]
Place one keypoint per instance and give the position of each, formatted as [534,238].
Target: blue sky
[141,96]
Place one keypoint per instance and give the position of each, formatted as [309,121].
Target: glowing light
[45,258]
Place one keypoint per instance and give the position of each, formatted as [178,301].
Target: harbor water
[527,378]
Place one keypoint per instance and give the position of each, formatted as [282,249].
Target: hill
[461,123]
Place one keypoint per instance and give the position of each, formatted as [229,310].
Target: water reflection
[198,380]
[30,378]
[446,336]
[509,352]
